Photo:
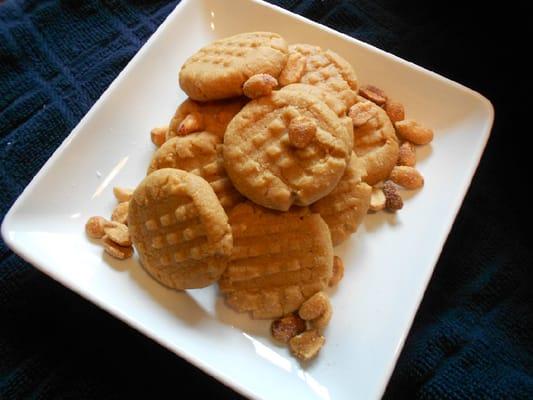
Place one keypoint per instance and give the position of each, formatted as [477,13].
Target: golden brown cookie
[201,154]
[323,68]
[268,166]
[219,70]
[375,140]
[211,116]
[346,206]
[279,260]
[179,229]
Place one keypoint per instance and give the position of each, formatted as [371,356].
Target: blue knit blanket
[472,337]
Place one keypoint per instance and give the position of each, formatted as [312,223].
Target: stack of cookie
[262,170]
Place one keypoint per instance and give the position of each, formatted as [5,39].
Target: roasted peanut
[259,85]
[360,113]
[306,345]
[393,200]
[408,177]
[193,122]
[321,322]
[120,213]
[302,132]
[412,131]
[374,94]
[394,110]
[314,306]
[407,154]
[95,227]
[159,135]
[118,233]
[122,194]
[285,328]
[115,250]
[338,271]
[377,200]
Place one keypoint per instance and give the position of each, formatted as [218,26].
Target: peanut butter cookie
[323,68]
[179,229]
[346,206]
[219,70]
[201,154]
[375,140]
[264,157]
[279,260]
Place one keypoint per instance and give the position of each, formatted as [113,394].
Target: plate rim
[17,248]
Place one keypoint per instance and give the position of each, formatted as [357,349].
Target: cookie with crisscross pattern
[322,68]
[279,260]
[201,154]
[219,70]
[346,206]
[274,168]
[179,229]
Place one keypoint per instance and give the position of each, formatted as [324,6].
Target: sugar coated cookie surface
[287,148]
[219,70]
[279,260]
[179,229]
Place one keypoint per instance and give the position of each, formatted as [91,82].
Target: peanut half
[394,110]
[306,345]
[115,250]
[120,213]
[408,177]
[302,132]
[122,194]
[407,154]
[360,113]
[285,328]
[259,85]
[193,122]
[377,200]
[374,94]
[412,131]
[95,227]
[118,233]
[159,135]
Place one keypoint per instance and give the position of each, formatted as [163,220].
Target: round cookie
[268,166]
[346,206]
[213,116]
[375,140]
[219,70]
[179,229]
[201,154]
[279,260]
[323,68]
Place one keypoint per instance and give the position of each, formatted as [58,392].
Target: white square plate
[388,262]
